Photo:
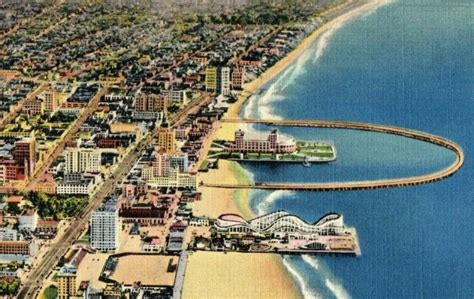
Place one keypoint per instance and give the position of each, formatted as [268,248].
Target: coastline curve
[355,185]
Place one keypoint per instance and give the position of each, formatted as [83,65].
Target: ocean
[408,63]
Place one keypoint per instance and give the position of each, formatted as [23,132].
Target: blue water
[409,64]
[361,155]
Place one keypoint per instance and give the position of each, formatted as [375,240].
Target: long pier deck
[355,185]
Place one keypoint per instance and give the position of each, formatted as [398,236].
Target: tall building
[24,154]
[218,80]
[238,78]
[223,81]
[166,140]
[151,102]
[82,160]
[66,278]
[211,79]
[50,102]
[161,165]
[105,228]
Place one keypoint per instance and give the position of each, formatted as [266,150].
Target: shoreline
[238,201]
[251,87]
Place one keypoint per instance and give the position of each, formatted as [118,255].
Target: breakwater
[355,185]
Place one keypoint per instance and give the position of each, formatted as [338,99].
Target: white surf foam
[324,39]
[313,262]
[306,290]
[262,207]
[337,289]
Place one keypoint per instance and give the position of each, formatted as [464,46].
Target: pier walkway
[355,185]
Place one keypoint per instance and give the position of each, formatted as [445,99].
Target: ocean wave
[264,205]
[337,289]
[306,290]
[313,262]
[249,175]
[297,70]
[250,106]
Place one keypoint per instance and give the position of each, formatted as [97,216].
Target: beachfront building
[105,228]
[175,179]
[243,143]
[238,78]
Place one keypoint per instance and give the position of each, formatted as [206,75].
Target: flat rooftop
[150,270]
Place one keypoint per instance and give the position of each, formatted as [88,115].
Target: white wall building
[83,185]
[28,220]
[176,179]
[105,228]
[225,81]
[82,160]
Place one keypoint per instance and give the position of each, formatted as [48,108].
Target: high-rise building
[166,140]
[218,80]
[223,81]
[105,227]
[24,154]
[66,278]
[82,160]
[50,102]
[238,78]
[211,79]
[161,165]
[151,102]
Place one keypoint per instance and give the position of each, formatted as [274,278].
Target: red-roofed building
[14,199]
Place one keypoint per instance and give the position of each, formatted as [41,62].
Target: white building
[225,81]
[78,184]
[28,220]
[175,179]
[105,228]
[82,160]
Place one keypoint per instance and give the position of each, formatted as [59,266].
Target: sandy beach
[244,275]
[237,275]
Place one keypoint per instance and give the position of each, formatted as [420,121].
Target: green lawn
[51,292]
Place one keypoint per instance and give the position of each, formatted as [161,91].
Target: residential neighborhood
[108,111]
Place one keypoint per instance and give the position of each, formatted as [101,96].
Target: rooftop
[150,270]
